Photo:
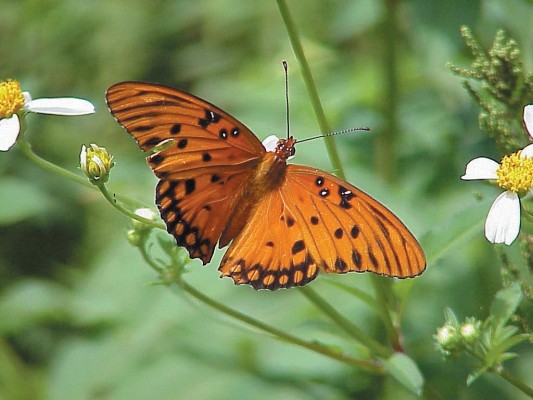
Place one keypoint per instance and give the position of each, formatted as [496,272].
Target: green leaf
[505,303]
[356,292]
[456,230]
[20,200]
[450,317]
[508,343]
[476,374]
[405,371]
[32,301]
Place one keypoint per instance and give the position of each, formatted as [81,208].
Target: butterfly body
[283,222]
[268,175]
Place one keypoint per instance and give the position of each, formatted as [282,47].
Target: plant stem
[513,380]
[26,149]
[370,366]
[385,146]
[113,201]
[146,257]
[294,37]
[383,309]
[375,347]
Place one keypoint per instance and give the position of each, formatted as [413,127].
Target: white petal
[503,222]
[146,213]
[9,132]
[527,152]
[528,119]
[27,97]
[60,106]
[481,168]
[83,157]
[270,143]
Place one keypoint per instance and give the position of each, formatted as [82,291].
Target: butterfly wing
[316,221]
[203,156]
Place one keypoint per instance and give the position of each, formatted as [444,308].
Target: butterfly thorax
[268,175]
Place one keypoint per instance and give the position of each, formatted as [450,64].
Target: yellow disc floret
[515,173]
[11,98]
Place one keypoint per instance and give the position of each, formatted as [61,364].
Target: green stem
[26,149]
[513,380]
[384,311]
[146,257]
[375,347]
[385,148]
[370,366]
[113,201]
[294,37]
[500,371]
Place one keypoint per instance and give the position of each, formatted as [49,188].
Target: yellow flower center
[11,98]
[515,173]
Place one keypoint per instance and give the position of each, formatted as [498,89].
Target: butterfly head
[285,148]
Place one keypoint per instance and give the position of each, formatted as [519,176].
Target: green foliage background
[78,316]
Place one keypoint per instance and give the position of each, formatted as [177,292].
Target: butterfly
[283,222]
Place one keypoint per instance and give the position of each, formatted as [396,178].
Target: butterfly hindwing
[270,251]
[202,156]
[316,221]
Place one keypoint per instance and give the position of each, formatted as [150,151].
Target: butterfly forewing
[351,231]
[204,157]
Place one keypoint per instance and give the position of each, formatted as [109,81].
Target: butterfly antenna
[363,128]
[286,69]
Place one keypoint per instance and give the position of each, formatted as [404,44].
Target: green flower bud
[133,237]
[470,330]
[448,338]
[96,163]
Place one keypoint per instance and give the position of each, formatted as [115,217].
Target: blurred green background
[79,318]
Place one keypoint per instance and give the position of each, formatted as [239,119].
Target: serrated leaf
[402,368]
[505,303]
[508,343]
[476,374]
[506,356]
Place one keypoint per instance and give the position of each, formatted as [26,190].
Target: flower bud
[470,330]
[96,163]
[447,338]
[145,213]
[133,237]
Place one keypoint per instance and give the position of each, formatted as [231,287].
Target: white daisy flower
[515,175]
[14,104]
[270,143]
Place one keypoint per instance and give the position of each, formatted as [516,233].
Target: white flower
[270,143]
[14,104]
[515,175]
[528,120]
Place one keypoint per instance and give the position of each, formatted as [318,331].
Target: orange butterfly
[218,183]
